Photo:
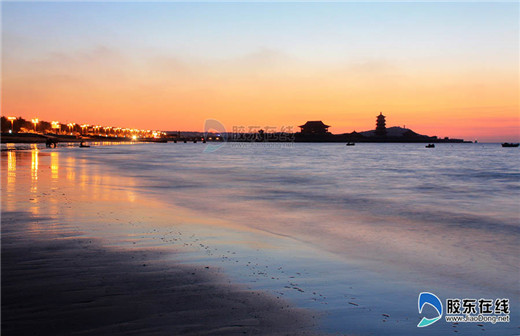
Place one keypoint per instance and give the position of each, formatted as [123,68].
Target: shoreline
[58,278]
[88,198]
[73,284]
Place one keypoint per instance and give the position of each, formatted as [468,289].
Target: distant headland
[317,131]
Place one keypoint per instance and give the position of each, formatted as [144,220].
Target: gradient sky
[446,69]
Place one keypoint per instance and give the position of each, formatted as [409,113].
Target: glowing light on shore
[11,119]
[35,121]
[55,125]
[89,130]
[83,127]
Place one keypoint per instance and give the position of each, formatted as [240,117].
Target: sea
[354,233]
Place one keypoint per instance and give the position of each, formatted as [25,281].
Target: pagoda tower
[381,125]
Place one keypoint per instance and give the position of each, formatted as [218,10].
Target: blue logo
[426,298]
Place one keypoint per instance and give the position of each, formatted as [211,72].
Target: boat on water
[430,146]
[83,144]
[350,144]
[508,144]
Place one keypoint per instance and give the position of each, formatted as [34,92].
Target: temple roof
[317,123]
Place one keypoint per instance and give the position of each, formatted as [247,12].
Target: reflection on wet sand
[11,164]
[71,174]
[55,165]
[34,208]
[99,200]
[34,168]
[81,196]
[32,182]
[76,252]
[11,178]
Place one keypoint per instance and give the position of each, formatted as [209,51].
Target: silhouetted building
[381,125]
[314,127]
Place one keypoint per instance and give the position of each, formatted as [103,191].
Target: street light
[83,127]
[12,119]
[35,122]
[70,127]
[56,125]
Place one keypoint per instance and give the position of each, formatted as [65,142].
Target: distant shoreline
[32,138]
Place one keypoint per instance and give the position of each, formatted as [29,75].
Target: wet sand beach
[64,272]
[166,239]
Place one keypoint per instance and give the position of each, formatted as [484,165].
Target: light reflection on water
[449,211]
[454,209]
[34,205]
[55,169]
[70,168]
[11,179]
[34,167]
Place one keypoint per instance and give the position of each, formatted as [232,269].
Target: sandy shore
[59,280]
[92,244]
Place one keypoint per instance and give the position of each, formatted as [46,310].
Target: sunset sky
[446,69]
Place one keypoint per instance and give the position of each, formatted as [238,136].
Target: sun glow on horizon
[439,72]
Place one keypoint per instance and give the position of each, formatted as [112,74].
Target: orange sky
[466,93]
[178,96]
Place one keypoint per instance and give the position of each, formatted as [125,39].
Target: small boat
[430,146]
[508,144]
[83,144]
[350,144]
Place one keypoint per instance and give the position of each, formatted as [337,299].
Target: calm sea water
[385,221]
[451,211]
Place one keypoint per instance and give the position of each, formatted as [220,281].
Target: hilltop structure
[381,125]
[317,131]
